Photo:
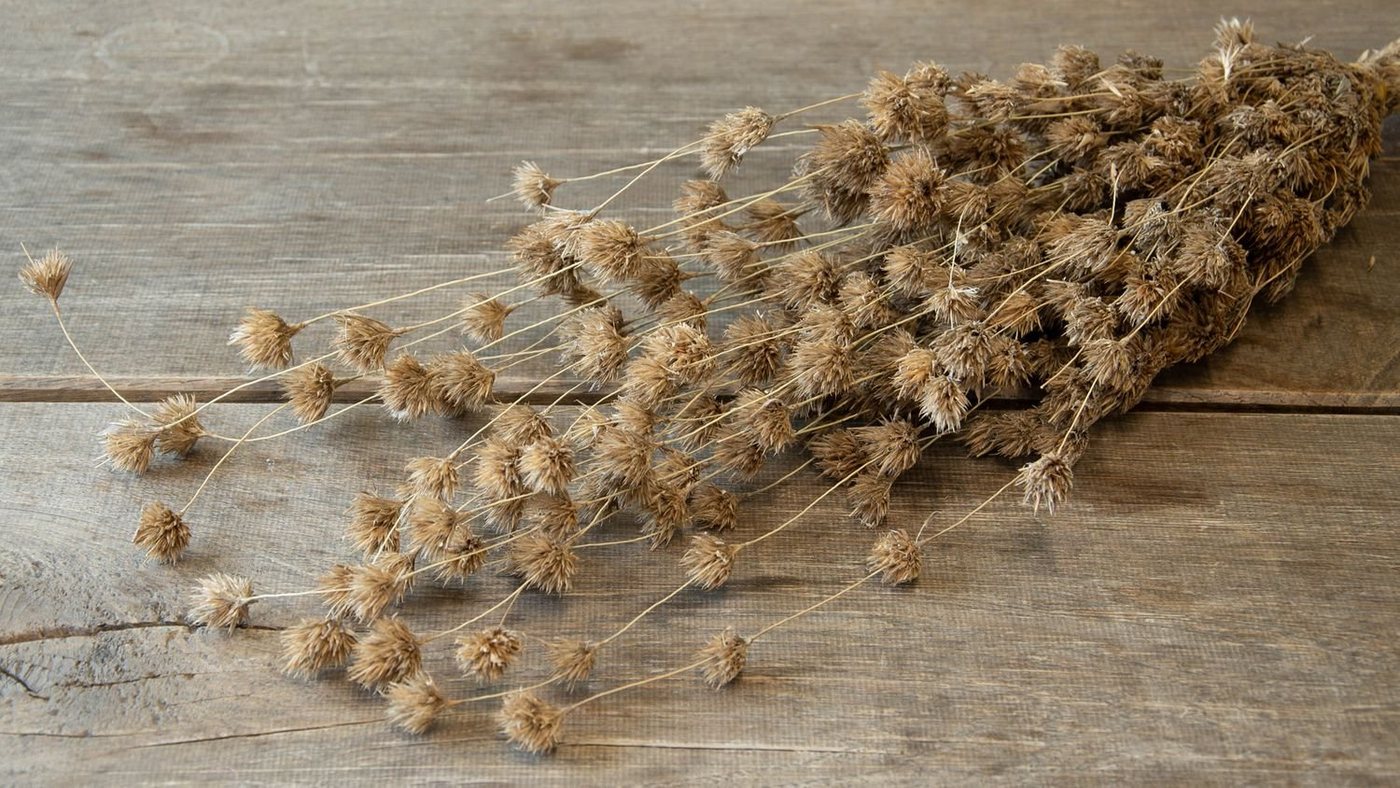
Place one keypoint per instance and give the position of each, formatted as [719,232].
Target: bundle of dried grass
[1064,235]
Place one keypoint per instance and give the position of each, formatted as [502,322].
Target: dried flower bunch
[1063,236]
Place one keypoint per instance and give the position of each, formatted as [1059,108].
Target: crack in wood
[60,633]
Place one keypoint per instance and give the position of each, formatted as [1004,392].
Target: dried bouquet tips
[432,476]
[161,532]
[484,318]
[544,563]
[896,556]
[731,137]
[487,653]
[309,388]
[130,445]
[362,342]
[532,186]
[573,660]
[709,561]
[1046,481]
[723,658]
[414,704]
[177,426]
[530,723]
[408,391]
[220,601]
[316,644]
[373,526]
[47,275]
[388,654]
[264,340]
[460,382]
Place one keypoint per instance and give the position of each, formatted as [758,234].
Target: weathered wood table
[1218,603]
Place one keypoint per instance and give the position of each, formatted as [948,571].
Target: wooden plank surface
[1217,605]
[196,160]
[1174,623]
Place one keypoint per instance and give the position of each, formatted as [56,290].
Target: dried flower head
[723,658]
[573,660]
[431,476]
[334,588]
[731,137]
[316,644]
[907,195]
[221,601]
[484,317]
[460,383]
[487,653]
[544,563]
[709,561]
[909,107]
[522,425]
[1046,481]
[375,586]
[309,388]
[896,556]
[373,523]
[161,532]
[611,250]
[178,428]
[547,465]
[47,275]
[532,186]
[414,703]
[129,445]
[530,723]
[389,653]
[714,508]
[362,342]
[264,339]
[408,391]
[432,524]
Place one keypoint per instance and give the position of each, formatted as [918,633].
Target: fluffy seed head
[896,557]
[161,532]
[1046,481]
[47,275]
[907,195]
[724,657]
[611,250]
[573,660]
[544,563]
[414,703]
[547,465]
[220,601]
[309,389]
[529,723]
[532,186]
[372,523]
[487,653]
[375,586]
[909,107]
[129,445]
[460,383]
[713,508]
[389,653]
[484,318]
[431,476]
[709,561]
[263,339]
[407,391]
[316,644]
[362,342]
[731,137]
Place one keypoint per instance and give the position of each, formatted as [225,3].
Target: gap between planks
[72,389]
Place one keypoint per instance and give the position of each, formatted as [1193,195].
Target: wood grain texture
[1218,604]
[196,160]
[1173,623]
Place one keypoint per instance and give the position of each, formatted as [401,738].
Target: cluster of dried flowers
[1061,236]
